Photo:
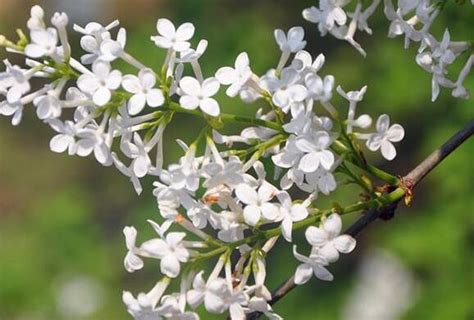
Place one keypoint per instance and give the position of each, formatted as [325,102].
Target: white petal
[34,51]
[303,273]
[395,133]
[210,87]
[101,96]
[165,28]
[333,225]
[88,83]
[189,102]
[190,86]
[132,262]
[388,150]
[162,42]
[382,123]
[316,236]
[101,69]
[322,273]
[141,165]
[131,84]
[155,98]
[185,31]
[286,228]
[309,162]
[298,212]
[246,194]
[136,104]
[344,243]
[210,106]
[114,79]
[226,75]
[170,266]
[252,214]
[270,211]
[147,78]
[329,252]
[242,61]
[60,143]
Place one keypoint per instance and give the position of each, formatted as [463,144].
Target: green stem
[226,117]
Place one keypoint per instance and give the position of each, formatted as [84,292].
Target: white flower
[219,174]
[127,171]
[319,89]
[132,262]
[384,137]
[217,297]
[293,42]
[236,77]
[290,213]
[141,308]
[143,91]
[137,151]
[110,49]
[261,305]
[48,106]
[303,62]
[170,250]
[443,51]
[192,55]
[94,35]
[257,203]
[321,180]
[65,139]
[93,140]
[43,43]
[14,82]
[12,109]
[287,89]
[171,38]
[315,146]
[328,14]
[101,82]
[327,238]
[197,94]
[314,264]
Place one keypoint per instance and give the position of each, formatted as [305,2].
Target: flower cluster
[413,19]
[218,192]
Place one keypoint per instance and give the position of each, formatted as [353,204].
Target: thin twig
[413,177]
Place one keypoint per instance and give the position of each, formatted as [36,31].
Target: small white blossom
[132,262]
[327,238]
[290,213]
[236,77]
[327,15]
[101,82]
[291,42]
[257,202]
[143,91]
[43,43]
[314,264]
[197,94]
[170,250]
[384,137]
[171,38]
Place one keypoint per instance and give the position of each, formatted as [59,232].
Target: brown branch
[411,179]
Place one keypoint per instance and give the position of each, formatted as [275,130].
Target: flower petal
[344,243]
[303,273]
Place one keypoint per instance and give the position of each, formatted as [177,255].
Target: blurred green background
[61,218]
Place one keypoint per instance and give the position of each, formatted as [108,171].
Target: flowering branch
[219,193]
[413,177]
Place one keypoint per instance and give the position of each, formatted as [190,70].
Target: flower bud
[59,20]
